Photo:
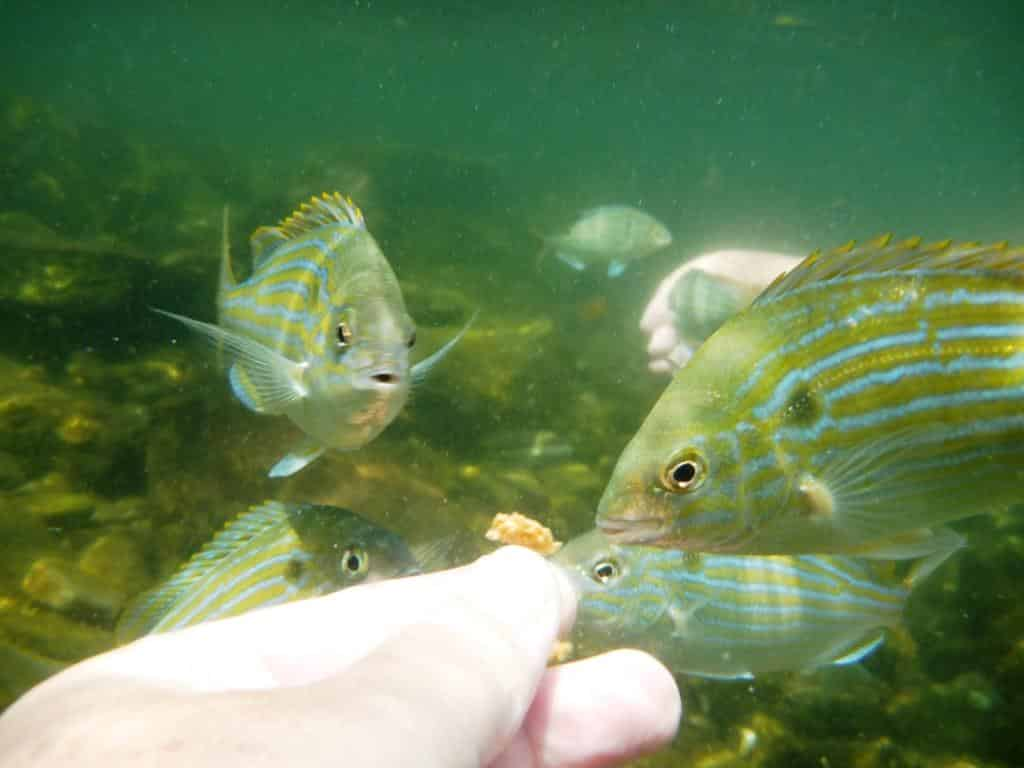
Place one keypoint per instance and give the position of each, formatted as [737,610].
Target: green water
[463,132]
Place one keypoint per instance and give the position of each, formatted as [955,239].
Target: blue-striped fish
[865,397]
[734,616]
[319,332]
[272,554]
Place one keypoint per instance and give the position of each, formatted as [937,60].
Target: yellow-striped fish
[319,332]
[731,616]
[272,554]
[865,397]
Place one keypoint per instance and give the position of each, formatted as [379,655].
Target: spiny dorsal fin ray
[883,254]
[146,610]
[329,208]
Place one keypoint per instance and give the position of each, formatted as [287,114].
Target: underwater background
[463,131]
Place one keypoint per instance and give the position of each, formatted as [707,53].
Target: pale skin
[444,670]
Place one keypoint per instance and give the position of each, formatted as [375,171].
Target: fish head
[359,380]
[615,593]
[680,481]
[347,548]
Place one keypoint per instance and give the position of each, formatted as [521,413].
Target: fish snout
[628,519]
[381,370]
[381,378]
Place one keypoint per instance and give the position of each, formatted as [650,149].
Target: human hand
[672,337]
[446,669]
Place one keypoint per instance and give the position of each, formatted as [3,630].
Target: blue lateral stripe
[784,388]
[274,311]
[817,334]
[209,592]
[961,296]
[963,364]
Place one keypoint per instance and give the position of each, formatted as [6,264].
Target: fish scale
[866,376]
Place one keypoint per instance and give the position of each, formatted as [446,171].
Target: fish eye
[605,570]
[354,562]
[344,335]
[684,474]
[412,339]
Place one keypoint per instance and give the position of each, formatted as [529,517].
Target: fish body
[865,397]
[319,332]
[272,554]
[730,616]
[609,234]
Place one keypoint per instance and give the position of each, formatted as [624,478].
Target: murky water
[464,133]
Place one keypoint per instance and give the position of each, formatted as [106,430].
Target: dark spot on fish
[384,378]
[803,407]
[294,570]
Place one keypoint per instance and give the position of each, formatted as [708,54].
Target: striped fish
[867,396]
[272,554]
[731,616]
[319,332]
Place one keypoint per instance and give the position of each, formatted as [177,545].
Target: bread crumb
[561,652]
[516,528]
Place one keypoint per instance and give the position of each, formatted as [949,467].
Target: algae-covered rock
[21,668]
[954,714]
[169,376]
[39,269]
[48,633]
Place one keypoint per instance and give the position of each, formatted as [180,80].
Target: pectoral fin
[263,380]
[423,367]
[299,457]
[893,483]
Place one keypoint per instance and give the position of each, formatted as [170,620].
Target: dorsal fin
[151,606]
[329,208]
[885,255]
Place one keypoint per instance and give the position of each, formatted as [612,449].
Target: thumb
[453,688]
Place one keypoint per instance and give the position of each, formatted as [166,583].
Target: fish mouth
[379,378]
[631,530]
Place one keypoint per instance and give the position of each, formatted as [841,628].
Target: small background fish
[610,234]
[272,554]
[737,616]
